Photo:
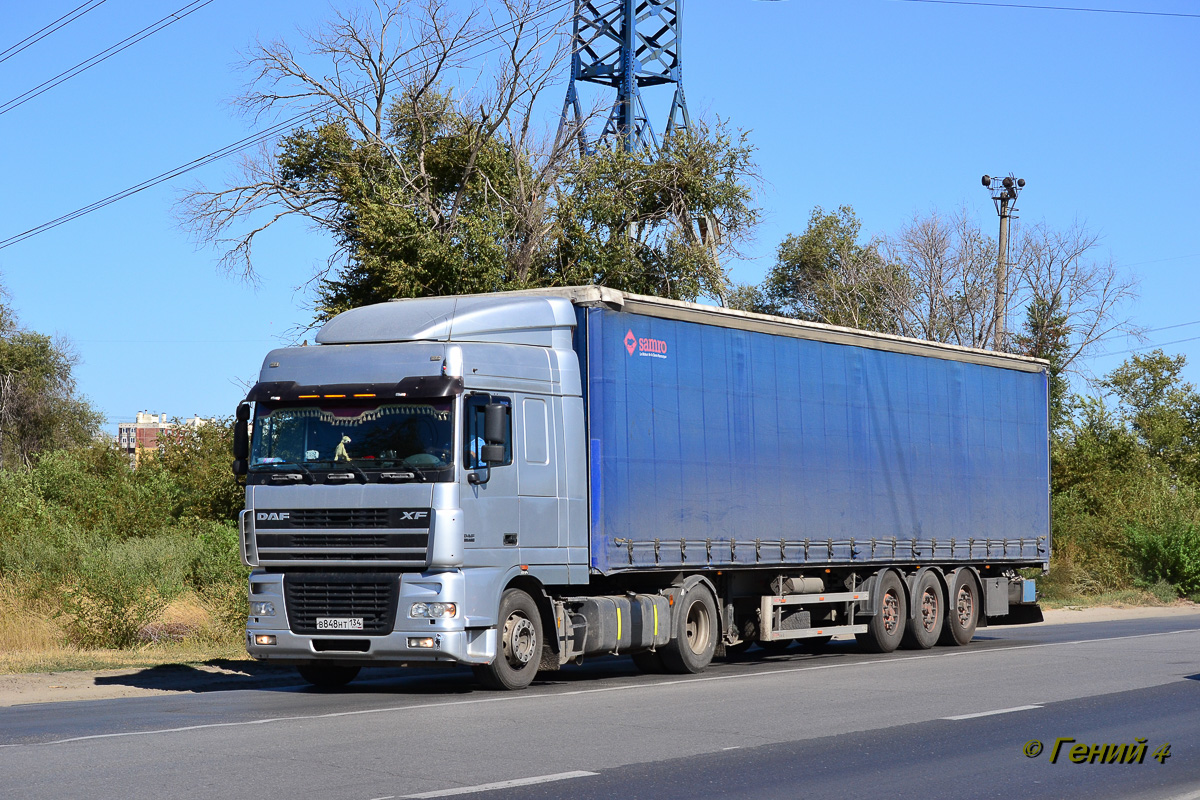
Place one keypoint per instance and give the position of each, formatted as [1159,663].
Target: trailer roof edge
[783,326]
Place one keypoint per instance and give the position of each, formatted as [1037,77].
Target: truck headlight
[433,610]
[262,608]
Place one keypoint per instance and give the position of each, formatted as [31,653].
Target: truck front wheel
[520,650]
[695,636]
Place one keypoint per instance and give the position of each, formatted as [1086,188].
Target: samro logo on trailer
[645,346]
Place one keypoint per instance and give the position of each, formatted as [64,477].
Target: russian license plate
[339,623]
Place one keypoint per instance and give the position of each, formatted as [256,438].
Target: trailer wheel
[327,676]
[963,613]
[520,650]
[695,636]
[922,631]
[886,628]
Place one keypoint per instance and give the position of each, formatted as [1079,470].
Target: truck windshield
[412,436]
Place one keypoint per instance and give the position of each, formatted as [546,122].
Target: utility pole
[1004,195]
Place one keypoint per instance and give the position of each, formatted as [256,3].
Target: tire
[649,662]
[520,647]
[695,636]
[921,632]
[886,628]
[962,611]
[327,676]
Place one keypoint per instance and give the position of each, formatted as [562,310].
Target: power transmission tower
[1004,195]
[627,45]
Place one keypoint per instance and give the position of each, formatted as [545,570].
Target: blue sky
[891,106]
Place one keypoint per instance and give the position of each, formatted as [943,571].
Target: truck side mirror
[492,454]
[241,439]
[495,425]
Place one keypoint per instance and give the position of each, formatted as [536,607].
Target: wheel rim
[964,606]
[929,610]
[520,638]
[891,612]
[698,629]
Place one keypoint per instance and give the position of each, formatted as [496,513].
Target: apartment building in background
[140,438]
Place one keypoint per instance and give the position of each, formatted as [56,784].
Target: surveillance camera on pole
[1004,195]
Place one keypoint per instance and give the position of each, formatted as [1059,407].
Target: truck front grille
[391,537]
[371,597]
[340,518]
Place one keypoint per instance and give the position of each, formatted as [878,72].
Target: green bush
[216,560]
[1170,555]
[124,586]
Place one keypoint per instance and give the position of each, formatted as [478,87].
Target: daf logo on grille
[414,515]
[274,515]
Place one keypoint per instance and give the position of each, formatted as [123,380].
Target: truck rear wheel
[921,632]
[327,676]
[886,628]
[962,615]
[695,636]
[520,646]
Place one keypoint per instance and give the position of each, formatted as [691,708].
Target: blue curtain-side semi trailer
[632,475]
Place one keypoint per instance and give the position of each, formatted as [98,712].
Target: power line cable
[1146,347]
[1056,8]
[257,137]
[1148,330]
[103,55]
[42,33]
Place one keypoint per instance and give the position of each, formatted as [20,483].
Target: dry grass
[32,639]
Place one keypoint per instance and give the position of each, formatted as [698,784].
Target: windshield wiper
[346,464]
[307,475]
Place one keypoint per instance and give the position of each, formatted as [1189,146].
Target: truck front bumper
[473,646]
[269,637]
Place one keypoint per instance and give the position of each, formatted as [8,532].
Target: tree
[935,278]
[827,275]
[1161,409]
[428,187]
[946,267]
[39,407]
[1046,335]
[196,457]
[630,220]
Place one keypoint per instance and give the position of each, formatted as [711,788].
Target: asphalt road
[948,722]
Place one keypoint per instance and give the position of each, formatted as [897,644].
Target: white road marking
[487,787]
[527,697]
[735,747]
[990,713]
[1189,796]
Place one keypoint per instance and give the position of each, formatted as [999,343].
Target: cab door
[491,523]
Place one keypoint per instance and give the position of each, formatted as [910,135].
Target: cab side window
[473,438]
